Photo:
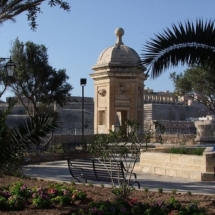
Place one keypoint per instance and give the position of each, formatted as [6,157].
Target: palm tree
[11,8]
[191,43]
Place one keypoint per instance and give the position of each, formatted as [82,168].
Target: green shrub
[20,189]
[133,207]
[189,151]
[189,193]
[56,148]
[160,190]
[16,202]
[173,203]
[3,203]
[174,191]
[146,189]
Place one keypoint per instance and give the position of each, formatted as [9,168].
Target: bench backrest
[96,169]
[105,170]
[81,168]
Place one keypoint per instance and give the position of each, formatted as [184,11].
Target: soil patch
[96,193]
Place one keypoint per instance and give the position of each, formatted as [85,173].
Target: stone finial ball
[119,32]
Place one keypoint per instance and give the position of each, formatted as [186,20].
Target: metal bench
[100,170]
[81,169]
[113,171]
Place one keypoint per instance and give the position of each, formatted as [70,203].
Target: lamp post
[83,82]
[9,66]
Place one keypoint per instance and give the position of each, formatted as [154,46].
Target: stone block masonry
[193,167]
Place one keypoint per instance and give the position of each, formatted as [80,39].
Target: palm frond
[6,149]
[183,44]
[13,141]
[35,128]
[9,9]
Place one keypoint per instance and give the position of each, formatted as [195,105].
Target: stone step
[208,176]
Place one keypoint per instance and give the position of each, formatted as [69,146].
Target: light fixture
[9,66]
[83,81]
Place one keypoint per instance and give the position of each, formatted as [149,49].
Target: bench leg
[214,173]
[135,182]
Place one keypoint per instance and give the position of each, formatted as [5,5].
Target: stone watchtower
[118,86]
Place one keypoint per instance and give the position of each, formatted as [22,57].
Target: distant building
[176,114]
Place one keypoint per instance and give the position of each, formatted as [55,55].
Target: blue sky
[75,40]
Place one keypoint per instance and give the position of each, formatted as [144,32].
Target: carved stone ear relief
[102,92]
[140,89]
[122,89]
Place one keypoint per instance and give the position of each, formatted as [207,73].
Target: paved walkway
[58,171]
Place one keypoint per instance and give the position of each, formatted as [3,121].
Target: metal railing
[178,131]
[78,131]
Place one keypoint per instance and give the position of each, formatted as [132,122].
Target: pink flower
[52,191]
[39,189]
[10,198]
[74,196]
[65,192]
[23,187]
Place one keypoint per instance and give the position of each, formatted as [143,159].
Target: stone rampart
[57,139]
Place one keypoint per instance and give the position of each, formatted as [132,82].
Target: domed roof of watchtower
[118,55]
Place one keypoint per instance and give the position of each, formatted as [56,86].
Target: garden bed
[100,193]
[180,150]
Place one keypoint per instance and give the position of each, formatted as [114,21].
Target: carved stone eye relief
[102,92]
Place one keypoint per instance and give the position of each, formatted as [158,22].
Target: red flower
[132,201]
[52,191]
